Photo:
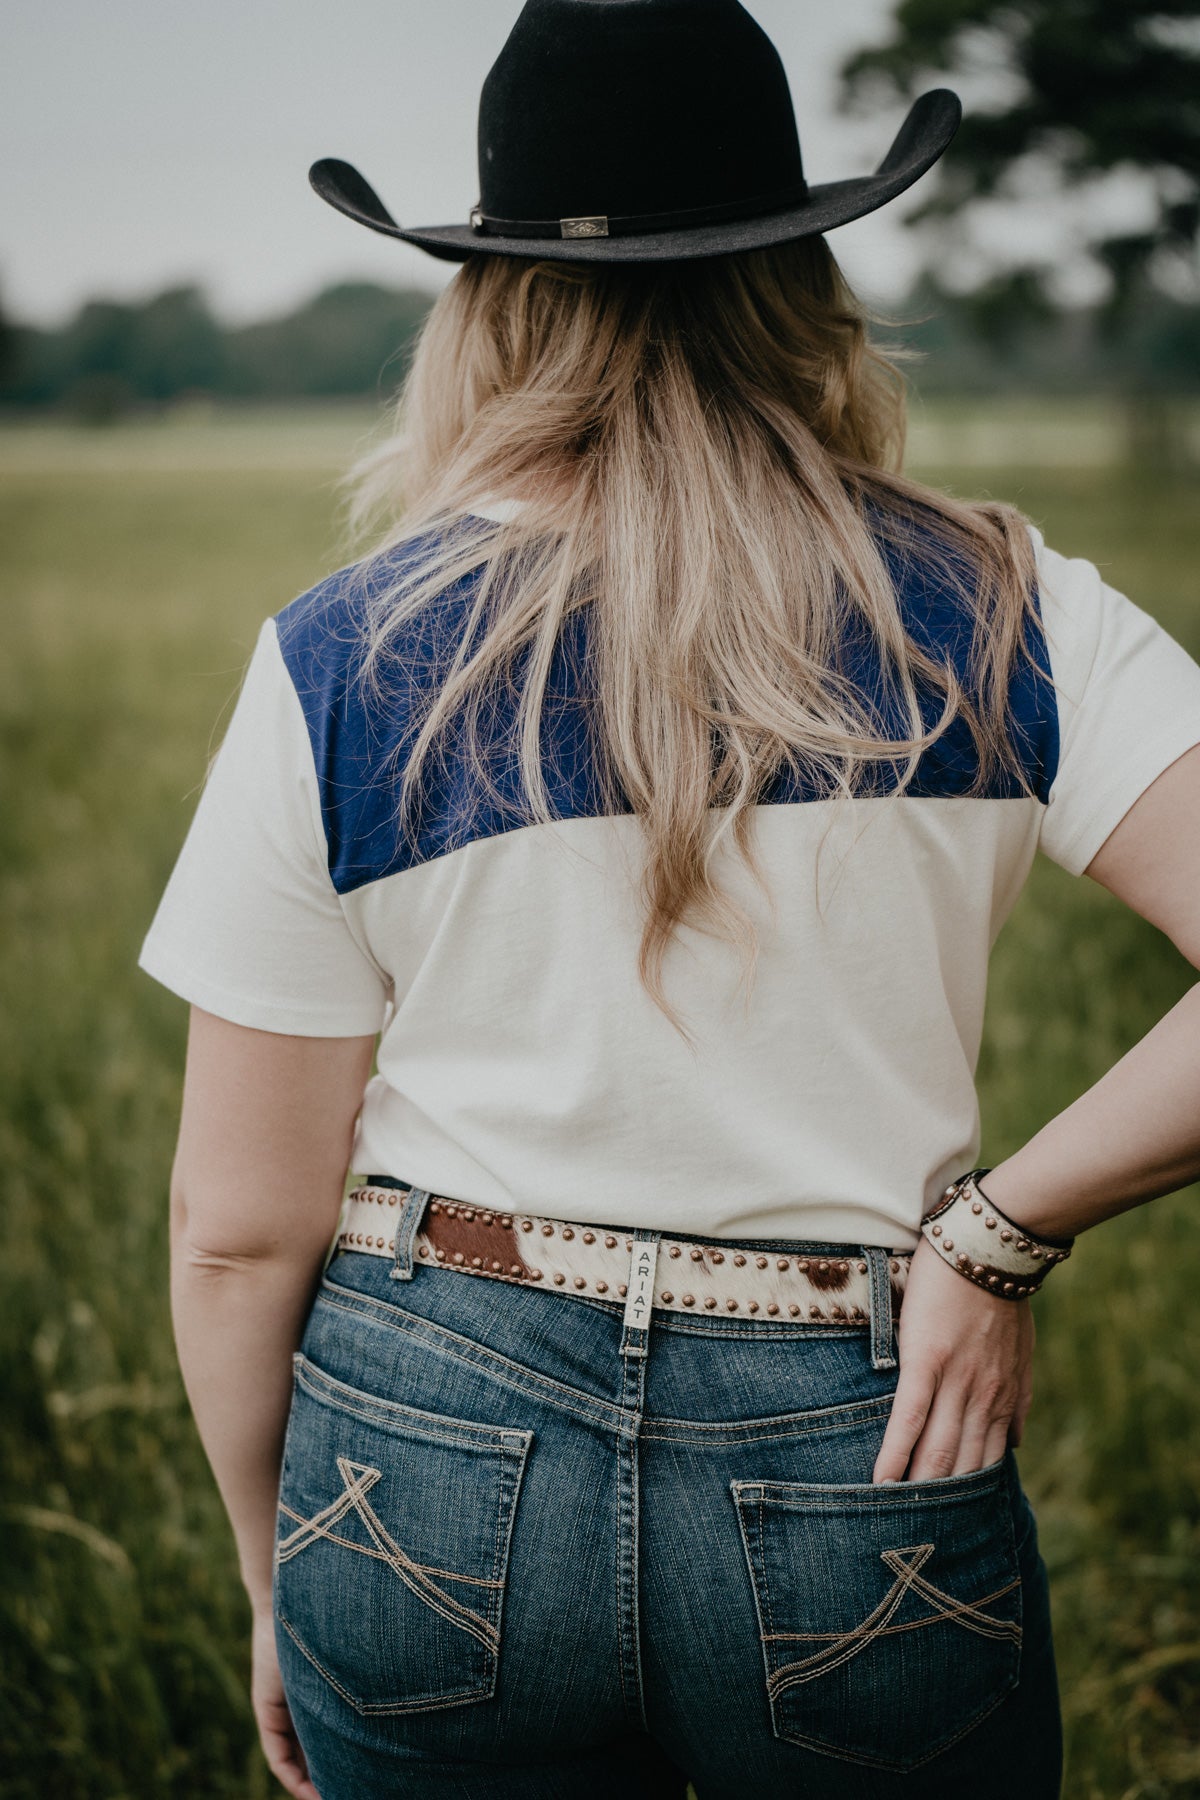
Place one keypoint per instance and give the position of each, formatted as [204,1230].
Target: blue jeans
[518,1558]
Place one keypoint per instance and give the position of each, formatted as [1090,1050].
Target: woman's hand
[965,1375]
[277,1734]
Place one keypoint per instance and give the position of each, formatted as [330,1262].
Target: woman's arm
[1136,1133]
[964,1385]
[264,1145]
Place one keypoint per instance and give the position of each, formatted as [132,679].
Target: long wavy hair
[707,455]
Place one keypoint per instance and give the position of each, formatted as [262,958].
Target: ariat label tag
[638,1301]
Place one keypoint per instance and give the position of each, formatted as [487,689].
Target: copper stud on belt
[666,1297]
[993,1281]
[936,1230]
[990,1223]
[948,1244]
[862,1268]
[836,1312]
[392,1199]
[1008,1287]
[1006,1237]
[731,1306]
[487,1217]
[772,1309]
[844,1268]
[718,1256]
[823,1268]
[558,1280]
[710,1300]
[435,1206]
[535,1274]
[497,1266]
[814,1312]
[674,1250]
[602,1287]
[977,1270]
[451,1210]
[610,1243]
[580,1282]
[567,1232]
[739,1261]
[513,1268]
[476,1262]
[547,1231]
[440,1255]
[689,1299]
[422,1249]
[459,1257]
[794,1310]
[782,1263]
[526,1224]
[760,1262]
[697,1255]
[589,1237]
[622,1290]
[803,1266]
[469,1214]
[506,1220]
[752,1306]
[895,1268]
[976,1207]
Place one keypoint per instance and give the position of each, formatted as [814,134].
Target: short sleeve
[1128,705]
[250,926]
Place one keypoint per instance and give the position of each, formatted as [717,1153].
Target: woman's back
[522,1061]
[653,1406]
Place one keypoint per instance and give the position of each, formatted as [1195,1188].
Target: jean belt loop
[883,1355]
[412,1211]
[639,1297]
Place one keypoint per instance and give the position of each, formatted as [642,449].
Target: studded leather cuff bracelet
[980,1242]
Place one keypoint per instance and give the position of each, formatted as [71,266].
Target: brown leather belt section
[593,1262]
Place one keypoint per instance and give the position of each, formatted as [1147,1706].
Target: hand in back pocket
[890,1614]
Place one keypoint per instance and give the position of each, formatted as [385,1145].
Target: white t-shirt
[521,1065]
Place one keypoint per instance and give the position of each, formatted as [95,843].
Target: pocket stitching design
[750,1503]
[358,1479]
[510,1448]
[842,1645]
[346,1543]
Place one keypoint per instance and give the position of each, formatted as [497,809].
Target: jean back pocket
[890,1615]
[392,1548]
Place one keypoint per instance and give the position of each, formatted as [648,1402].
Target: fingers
[911,1402]
[282,1751]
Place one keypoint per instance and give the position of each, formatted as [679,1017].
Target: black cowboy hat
[644,131]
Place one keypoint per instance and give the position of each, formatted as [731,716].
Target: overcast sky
[147,143]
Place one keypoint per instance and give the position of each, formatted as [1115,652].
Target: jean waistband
[640,1270]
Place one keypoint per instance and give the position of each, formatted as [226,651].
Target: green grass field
[137,565]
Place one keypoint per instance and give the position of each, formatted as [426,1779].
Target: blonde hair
[708,455]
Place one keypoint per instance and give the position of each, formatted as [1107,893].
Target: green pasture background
[136,565]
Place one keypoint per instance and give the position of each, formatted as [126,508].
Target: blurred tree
[354,338]
[1070,93]
[1081,89]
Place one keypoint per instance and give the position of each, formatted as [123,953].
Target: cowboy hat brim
[932,121]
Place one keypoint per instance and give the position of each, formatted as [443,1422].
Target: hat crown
[616,107]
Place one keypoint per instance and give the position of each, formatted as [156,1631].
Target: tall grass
[130,601]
